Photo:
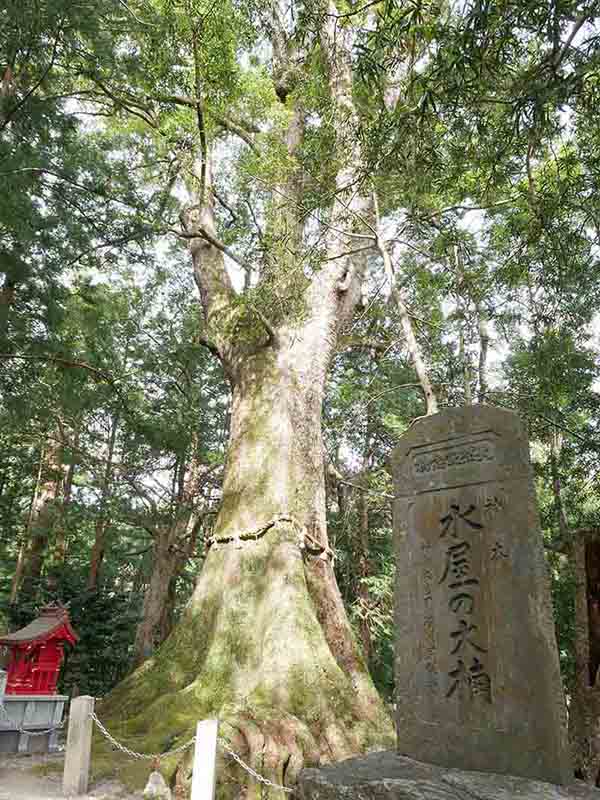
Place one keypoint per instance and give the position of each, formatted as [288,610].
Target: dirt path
[23,778]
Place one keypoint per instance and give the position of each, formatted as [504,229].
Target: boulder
[156,788]
[387,774]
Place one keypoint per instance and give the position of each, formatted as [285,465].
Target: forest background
[449,151]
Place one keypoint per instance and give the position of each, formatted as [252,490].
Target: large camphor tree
[265,643]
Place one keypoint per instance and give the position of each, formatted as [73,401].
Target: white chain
[6,718]
[251,771]
[150,756]
[180,749]
[133,753]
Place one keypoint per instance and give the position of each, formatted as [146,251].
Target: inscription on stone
[453,456]
[477,679]
[463,588]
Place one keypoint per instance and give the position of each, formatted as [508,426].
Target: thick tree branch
[130,104]
[241,128]
[65,362]
[273,335]
[202,233]
[580,21]
[235,128]
[350,202]
[334,473]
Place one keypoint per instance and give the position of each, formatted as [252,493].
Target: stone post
[205,754]
[79,744]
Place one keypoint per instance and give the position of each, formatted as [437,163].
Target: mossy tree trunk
[174,543]
[265,643]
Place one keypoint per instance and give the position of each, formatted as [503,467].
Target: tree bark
[265,643]
[7,299]
[60,539]
[172,546]
[579,711]
[364,572]
[463,359]
[20,565]
[155,596]
[102,521]
[165,625]
[461,312]
[484,340]
[412,343]
[585,699]
[42,516]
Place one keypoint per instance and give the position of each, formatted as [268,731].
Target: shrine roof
[50,620]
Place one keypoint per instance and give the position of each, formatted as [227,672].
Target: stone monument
[477,676]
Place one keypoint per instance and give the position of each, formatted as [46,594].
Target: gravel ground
[19,781]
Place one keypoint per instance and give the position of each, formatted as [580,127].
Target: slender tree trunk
[102,522]
[172,547]
[559,507]
[463,358]
[60,538]
[7,298]
[364,572]
[579,710]
[167,618]
[414,348]
[42,517]
[463,353]
[582,721]
[484,340]
[155,597]
[20,565]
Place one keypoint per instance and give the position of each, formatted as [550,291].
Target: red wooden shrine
[36,652]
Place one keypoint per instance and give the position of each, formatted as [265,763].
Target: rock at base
[389,775]
[156,788]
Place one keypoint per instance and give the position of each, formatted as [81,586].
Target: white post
[204,772]
[76,774]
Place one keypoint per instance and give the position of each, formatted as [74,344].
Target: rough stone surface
[156,788]
[38,777]
[390,776]
[477,677]
[76,773]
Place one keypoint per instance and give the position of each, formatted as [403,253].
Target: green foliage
[478,130]
[104,622]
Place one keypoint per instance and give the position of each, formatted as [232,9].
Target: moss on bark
[250,651]
[265,644]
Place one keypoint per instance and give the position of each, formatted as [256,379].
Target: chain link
[19,729]
[250,771]
[133,753]
[180,749]
[150,756]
